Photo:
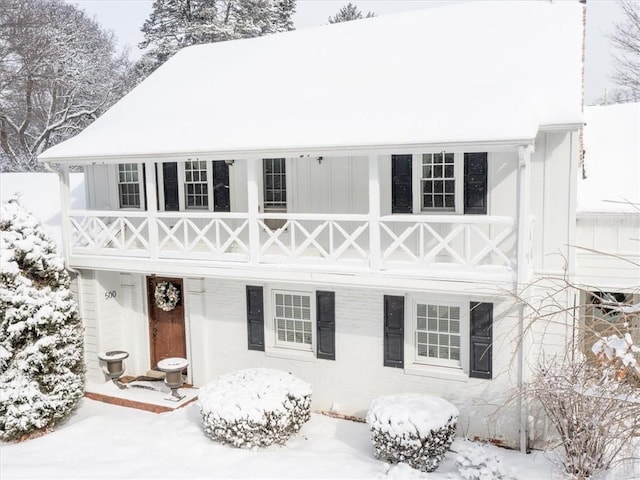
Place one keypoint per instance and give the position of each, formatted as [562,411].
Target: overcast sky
[125,17]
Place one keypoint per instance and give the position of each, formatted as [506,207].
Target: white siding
[551,204]
[613,255]
[101,186]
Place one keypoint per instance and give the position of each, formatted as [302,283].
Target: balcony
[407,244]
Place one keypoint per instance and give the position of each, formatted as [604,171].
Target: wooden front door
[166,328]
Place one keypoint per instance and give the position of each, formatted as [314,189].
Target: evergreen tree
[349,12]
[41,335]
[174,24]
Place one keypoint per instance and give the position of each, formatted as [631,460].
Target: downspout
[522,278]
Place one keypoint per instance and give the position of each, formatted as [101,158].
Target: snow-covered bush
[41,335]
[255,407]
[474,462]
[412,428]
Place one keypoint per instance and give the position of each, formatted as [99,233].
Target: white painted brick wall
[219,345]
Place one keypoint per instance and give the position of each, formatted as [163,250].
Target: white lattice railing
[468,241]
[401,241]
[207,235]
[313,237]
[108,232]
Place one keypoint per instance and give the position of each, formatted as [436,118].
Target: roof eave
[296,152]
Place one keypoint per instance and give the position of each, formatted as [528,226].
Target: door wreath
[167,296]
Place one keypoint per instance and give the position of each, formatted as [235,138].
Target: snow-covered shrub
[596,414]
[41,335]
[412,428]
[620,356]
[474,462]
[255,407]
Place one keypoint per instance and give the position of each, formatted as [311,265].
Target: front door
[166,325]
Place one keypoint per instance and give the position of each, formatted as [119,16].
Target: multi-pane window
[196,187]
[437,333]
[438,181]
[292,319]
[275,184]
[129,185]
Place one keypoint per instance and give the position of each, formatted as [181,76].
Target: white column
[152,207]
[253,206]
[65,197]
[374,213]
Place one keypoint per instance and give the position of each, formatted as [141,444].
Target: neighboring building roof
[470,72]
[612,159]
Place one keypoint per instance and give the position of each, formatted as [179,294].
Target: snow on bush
[474,462]
[412,428]
[41,335]
[255,407]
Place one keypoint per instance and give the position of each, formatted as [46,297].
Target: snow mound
[412,428]
[255,407]
[474,462]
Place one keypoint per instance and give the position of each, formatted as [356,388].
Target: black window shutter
[481,319]
[475,183]
[170,184]
[144,186]
[393,331]
[401,184]
[326,325]
[255,318]
[221,197]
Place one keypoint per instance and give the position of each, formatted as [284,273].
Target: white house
[356,204]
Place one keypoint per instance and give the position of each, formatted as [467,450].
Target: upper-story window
[275,185]
[439,182]
[129,185]
[196,184]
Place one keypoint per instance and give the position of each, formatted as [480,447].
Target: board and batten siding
[610,253]
[218,331]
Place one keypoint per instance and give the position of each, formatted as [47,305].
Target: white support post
[522,277]
[253,206]
[374,214]
[152,207]
[65,196]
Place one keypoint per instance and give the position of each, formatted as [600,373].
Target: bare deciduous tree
[58,72]
[626,39]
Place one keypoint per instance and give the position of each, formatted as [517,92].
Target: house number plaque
[109,295]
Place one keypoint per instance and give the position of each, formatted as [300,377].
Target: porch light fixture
[229,162]
[319,160]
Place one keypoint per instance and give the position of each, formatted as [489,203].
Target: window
[275,185]
[129,185]
[438,181]
[437,334]
[196,186]
[292,319]
[291,323]
[605,314]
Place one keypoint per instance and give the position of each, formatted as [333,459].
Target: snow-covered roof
[476,72]
[612,160]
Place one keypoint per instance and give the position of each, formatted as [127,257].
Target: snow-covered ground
[106,441]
